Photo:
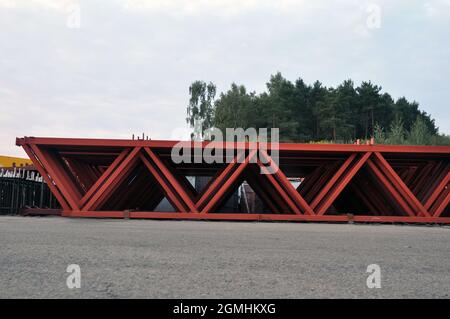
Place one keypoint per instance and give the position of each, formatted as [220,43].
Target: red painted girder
[309,180]
[258,217]
[339,148]
[172,181]
[326,189]
[60,183]
[390,189]
[442,205]
[275,204]
[56,192]
[286,184]
[279,189]
[400,185]
[366,193]
[328,173]
[81,175]
[227,184]
[94,188]
[421,178]
[439,189]
[218,182]
[170,193]
[111,182]
[64,174]
[437,176]
[341,184]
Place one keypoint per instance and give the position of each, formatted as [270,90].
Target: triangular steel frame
[311,201]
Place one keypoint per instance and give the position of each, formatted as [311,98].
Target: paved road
[195,259]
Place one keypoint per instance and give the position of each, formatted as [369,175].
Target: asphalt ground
[205,259]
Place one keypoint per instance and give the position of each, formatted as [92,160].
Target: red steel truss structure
[129,178]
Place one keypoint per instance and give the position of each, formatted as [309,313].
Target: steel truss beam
[129,178]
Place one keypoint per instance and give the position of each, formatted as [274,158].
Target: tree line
[315,113]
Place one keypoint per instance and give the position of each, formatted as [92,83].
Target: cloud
[59,5]
[224,6]
[128,68]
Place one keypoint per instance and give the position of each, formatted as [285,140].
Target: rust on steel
[335,182]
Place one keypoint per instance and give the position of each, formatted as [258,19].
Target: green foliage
[335,112]
[440,139]
[312,113]
[397,132]
[201,104]
[419,134]
[368,106]
[379,134]
[232,108]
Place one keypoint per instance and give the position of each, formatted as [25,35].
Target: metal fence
[20,188]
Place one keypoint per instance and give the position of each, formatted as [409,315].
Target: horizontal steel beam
[325,148]
[257,217]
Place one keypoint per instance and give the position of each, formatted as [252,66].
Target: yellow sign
[8,161]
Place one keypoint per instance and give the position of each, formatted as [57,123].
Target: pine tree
[419,134]
[379,134]
[305,113]
[396,134]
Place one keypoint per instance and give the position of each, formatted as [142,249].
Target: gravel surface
[196,259]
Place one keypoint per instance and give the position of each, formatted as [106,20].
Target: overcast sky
[113,68]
